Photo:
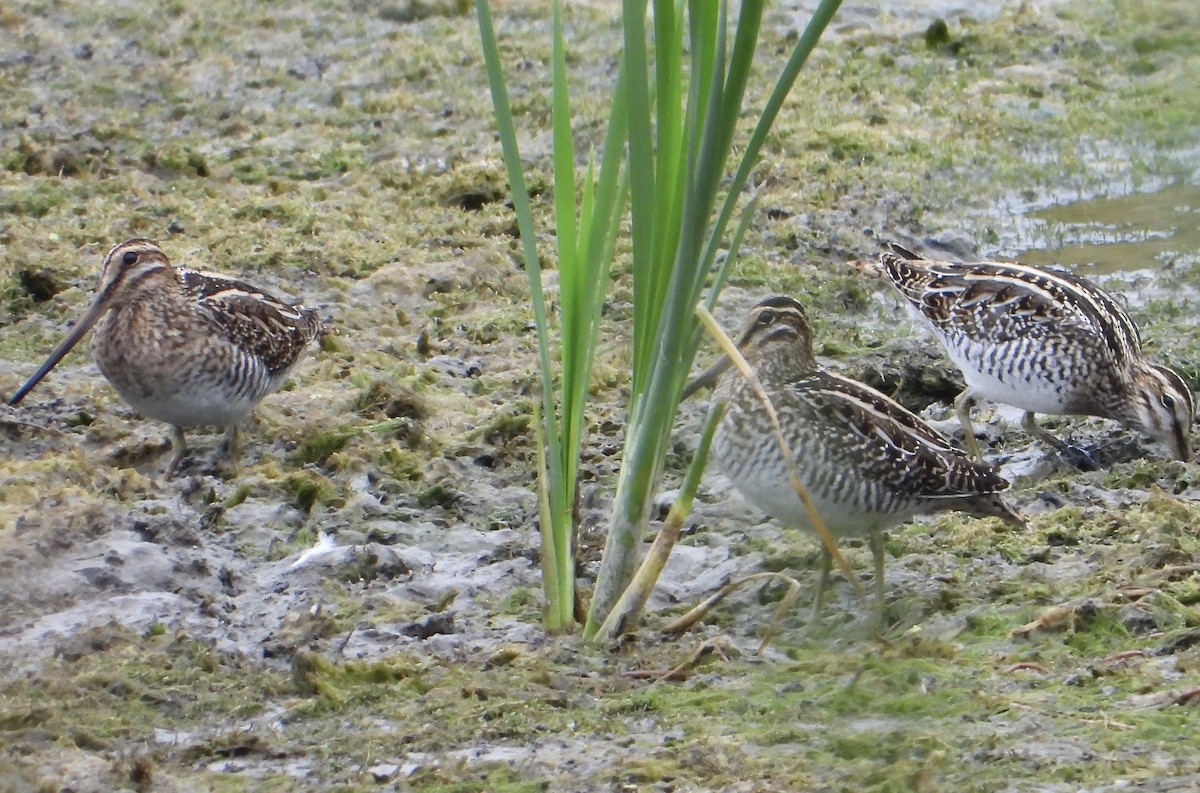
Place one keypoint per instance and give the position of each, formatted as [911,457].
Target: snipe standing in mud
[1044,341]
[186,347]
[868,463]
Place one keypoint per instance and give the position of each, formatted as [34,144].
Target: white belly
[780,501]
[1035,390]
[190,409]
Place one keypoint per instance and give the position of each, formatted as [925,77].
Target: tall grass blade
[666,333]
[586,235]
[634,598]
[665,152]
[783,86]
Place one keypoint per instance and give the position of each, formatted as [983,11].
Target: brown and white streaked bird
[867,462]
[1044,341]
[186,347]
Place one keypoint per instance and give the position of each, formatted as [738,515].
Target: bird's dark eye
[766,317]
[130,257]
[1168,401]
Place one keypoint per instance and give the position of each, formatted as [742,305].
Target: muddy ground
[358,607]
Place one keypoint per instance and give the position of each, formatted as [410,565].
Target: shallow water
[1111,234]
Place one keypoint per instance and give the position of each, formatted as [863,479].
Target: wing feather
[264,326]
[1002,302]
[890,443]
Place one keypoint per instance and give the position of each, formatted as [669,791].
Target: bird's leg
[962,406]
[1033,428]
[179,446]
[1073,455]
[231,447]
[877,540]
[823,568]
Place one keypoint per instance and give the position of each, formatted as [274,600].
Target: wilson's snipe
[868,463]
[186,347]
[1044,341]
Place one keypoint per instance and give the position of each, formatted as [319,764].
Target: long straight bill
[81,327]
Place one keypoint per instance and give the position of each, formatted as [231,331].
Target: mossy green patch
[308,489]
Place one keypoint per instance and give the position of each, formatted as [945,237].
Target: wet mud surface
[358,606]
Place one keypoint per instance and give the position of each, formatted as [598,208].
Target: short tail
[904,253]
[316,326]
[867,267]
[893,255]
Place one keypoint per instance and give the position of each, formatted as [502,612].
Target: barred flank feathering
[867,462]
[183,346]
[1042,340]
